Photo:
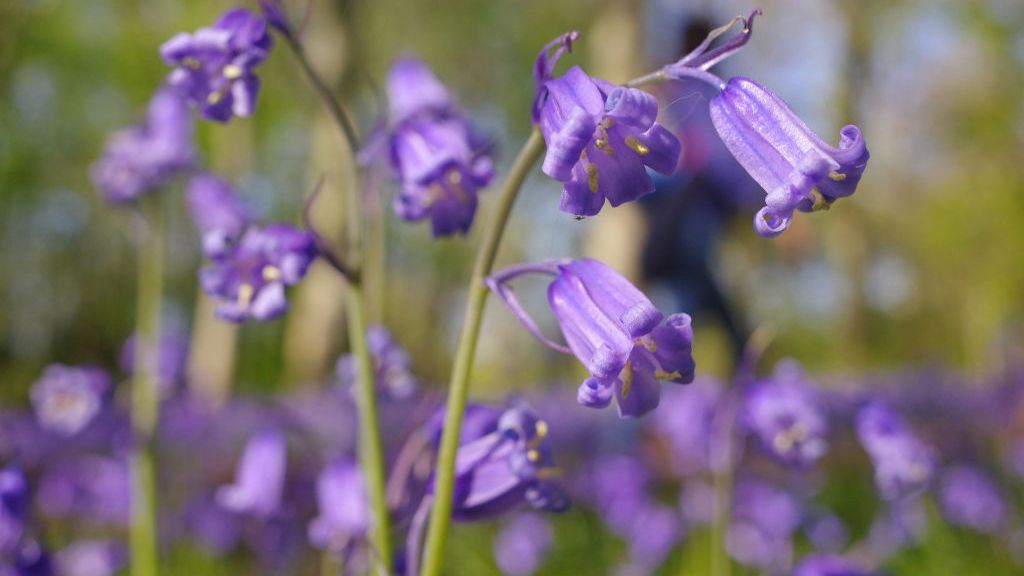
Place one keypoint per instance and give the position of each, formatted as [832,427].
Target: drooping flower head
[601,138]
[249,281]
[787,416]
[625,343]
[797,169]
[259,479]
[214,66]
[522,544]
[970,498]
[13,508]
[218,213]
[67,398]
[903,463]
[344,509]
[440,163]
[145,157]
[506,467]
[391,365]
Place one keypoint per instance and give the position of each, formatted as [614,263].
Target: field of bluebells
[537,287]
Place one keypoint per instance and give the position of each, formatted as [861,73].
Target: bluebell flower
[214,66]
[788,418]
[218,213]
[13,508]
[625,343]
[970,498]
[505,468]
[797,169]
[391,365]
[259,479]
[522,544]
[764,519]
[344,509]
[601,138]
[143,158]
[67,398]
[433,152]
[903,463]
[249,281]
[91,558]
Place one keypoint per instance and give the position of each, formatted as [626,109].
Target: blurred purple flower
[260,476]
[903,463]
[95,489]
[827,532]
[13,508]
[142,158]
[787,417]
[797,169]
[613,329]
[433,152]
[91,558]
[67,398]
[391,365]
[970,498]
[212,526]
[601,138]
[505,468]
[522,544]
[686,421]
[828,565]
[763,521]
[31,559]
[902,523]
[697,503]
[218,213]
[213,67]
[344,509]
[276,15]
[172,356]
[249,282]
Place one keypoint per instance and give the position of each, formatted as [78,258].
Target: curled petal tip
[770,225]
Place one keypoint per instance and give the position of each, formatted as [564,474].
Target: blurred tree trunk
[615,44]
[315,323]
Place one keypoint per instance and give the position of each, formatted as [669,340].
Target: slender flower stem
[144,395]
[458,388]
[371,453]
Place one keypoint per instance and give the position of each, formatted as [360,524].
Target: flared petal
[661,149]
[632,107]
[674,347]
[619,170]
[578,198]
[566,145]
[638,392]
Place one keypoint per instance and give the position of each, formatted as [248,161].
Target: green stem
[458,388]
[371,453]
[144,394]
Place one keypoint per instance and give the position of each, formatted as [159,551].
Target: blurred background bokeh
[918,272]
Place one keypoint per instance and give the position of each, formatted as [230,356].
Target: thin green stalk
[144,395]
[371,453]
[458,388]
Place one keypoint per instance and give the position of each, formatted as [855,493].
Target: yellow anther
[627,380]
[214,97]
[454,176]
[232,72]
[548,473]
[245,294]
[669,376]
[541,428]
[592,177]
[836,176]
[636,146]
[271,273]
[600,143]
[533,455]
[190,62]
[819,201]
